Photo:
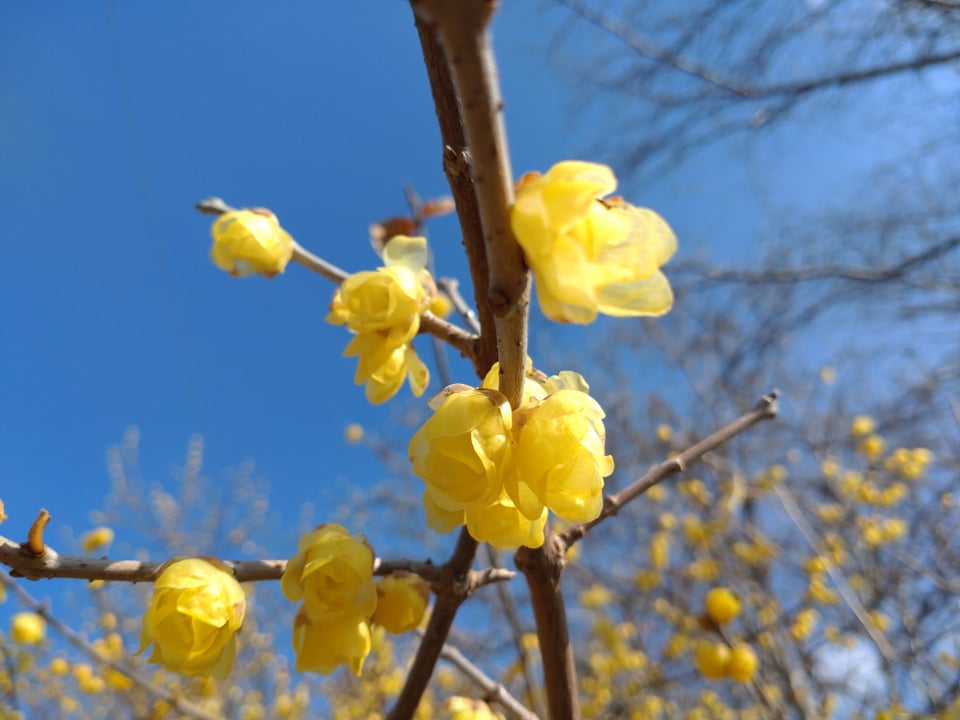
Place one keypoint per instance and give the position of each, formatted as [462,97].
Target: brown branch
[451,591]
[766,409]
[462,29]
[543,569]
[23,563]
[77,640]
[493,691]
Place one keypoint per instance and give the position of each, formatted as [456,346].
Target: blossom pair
[383,308]
[499,470]
[332,574]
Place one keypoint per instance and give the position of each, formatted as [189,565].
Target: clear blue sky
[118,116]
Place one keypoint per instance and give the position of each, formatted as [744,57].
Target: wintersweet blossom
[196,609]
[502,525]
[721,605]
[383,308]
[250,242]
[559,460]
[322,646]
[402,599]
[332,573]
[591,255]
[460,450]
[464,708]
[27,628]
[96,539]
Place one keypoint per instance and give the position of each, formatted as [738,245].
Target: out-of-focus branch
[493,691]
[747,91]
[173,698]
[766,409]
[465,342]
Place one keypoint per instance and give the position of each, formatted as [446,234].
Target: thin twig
[74,638]
[766,409]
[493,691]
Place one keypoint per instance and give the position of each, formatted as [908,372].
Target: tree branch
[766,409]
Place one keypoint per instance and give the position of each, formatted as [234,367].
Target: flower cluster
[250,242]
[195,611]
[591,255]
[499,470]
[332,573]
[383,307]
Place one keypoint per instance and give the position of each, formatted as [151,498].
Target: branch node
[34,546]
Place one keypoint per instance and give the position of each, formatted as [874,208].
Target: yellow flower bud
[250,242]
[97,538]
[27,628]
[59,666]
[402,599]
[353,433]
[722,605]
[743,663]
[502,525]
[559,459]
[332,573]
[460,450]
[322,646]
[712,659]
[196,609]
[589,255]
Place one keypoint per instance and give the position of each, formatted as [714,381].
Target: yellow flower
[402,599]
[97,538]
[743,663]
[383,307]
[332,573]
[862,425]
[439,520]
[559,459]
[502,525]
[196,609]
[712,659]
[462,708]
[353,433]
[27,628]
[591,255]
[322,646]
[722,605]
[460,450]
[383,367]
[250,242]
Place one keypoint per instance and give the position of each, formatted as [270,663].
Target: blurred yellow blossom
[402,599]
[441,305]
[743,663]
[872,446]
[462,708]
[353,433]
[323,646]
[332,573]
[590,255]
[27,628]
[96,539]
[250,242]
[383,308]
[194,614]
[664,433]
[712,659]
[59,666]
[828,374]
[721,605]
[862,426]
